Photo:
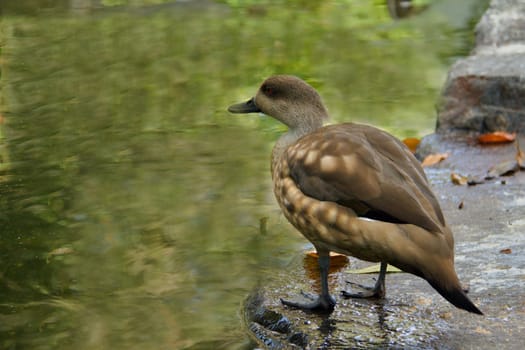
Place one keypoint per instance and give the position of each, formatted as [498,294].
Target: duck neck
[288,138]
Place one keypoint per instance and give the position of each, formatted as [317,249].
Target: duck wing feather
[367,170]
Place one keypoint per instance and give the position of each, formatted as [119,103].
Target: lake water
[135,211]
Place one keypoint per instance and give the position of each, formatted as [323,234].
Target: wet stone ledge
[488,222]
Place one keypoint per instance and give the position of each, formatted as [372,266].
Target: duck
[356,190]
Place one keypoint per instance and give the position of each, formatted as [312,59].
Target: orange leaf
[336,259]
[496,137]
[313,254]
[432,159]
[412,143]
[506,251]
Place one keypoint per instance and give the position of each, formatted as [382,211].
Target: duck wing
[367,170]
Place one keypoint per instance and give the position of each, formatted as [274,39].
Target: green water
[131,202]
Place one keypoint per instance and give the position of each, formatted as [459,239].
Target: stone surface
[485,92]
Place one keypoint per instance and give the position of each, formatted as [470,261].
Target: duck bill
[245,107]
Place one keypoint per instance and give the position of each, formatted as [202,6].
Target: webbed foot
[376,292]
[323,304]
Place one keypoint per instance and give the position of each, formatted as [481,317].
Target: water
[135,212]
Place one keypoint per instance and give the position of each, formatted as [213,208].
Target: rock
[485,92]
[502,24]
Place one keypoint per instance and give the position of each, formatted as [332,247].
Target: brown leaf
[505,168]
[375,269]
[412,143]
[336,260]
[435,158]
[474,180]
[458,179]
[496,137]
[461,205]
[506,251]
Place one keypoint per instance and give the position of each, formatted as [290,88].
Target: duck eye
[268,90]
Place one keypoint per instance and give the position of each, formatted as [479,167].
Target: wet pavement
[488,221]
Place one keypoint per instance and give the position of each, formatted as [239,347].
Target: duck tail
[457,297]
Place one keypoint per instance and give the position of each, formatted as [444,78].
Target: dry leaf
[474,180]
[496,137]
[461,205]
[375,269]
[506,168]
[458,179]
[506,251]
[435,158]
[336,260]
[412,143]
[313,254]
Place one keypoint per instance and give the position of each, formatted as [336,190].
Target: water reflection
[130,200]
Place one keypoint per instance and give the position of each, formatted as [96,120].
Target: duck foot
[377,291]
[365,293]
[322,304]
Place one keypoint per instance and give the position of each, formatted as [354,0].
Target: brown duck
[356,190]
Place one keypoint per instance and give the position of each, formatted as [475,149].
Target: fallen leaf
[458,179]
[412,143]
[460,206]
[375,269]
[496,137]
[473,181]
[336,259]
[435,158]
[505,168]
[313,254]
[506,251]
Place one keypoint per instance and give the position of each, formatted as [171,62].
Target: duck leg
[324,302]
[377,291]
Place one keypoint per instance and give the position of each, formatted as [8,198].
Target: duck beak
[244,107]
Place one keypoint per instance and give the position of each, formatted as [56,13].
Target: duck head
[288,99]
